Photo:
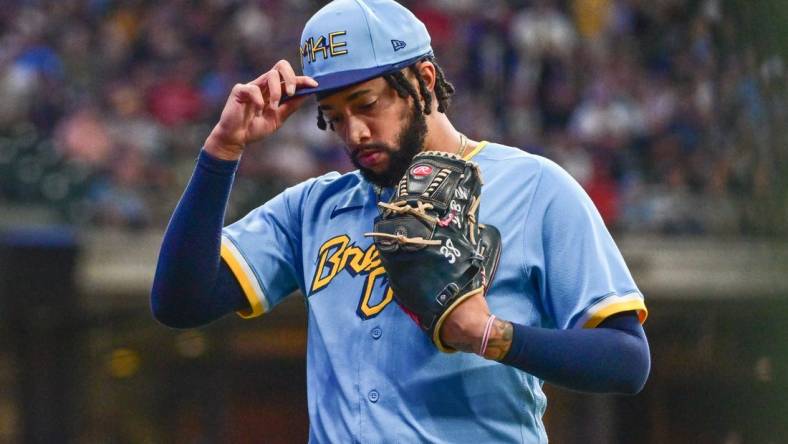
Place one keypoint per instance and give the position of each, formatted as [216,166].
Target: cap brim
[336,81]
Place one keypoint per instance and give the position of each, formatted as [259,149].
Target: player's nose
[357,132]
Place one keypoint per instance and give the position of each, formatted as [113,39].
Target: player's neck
[442,136]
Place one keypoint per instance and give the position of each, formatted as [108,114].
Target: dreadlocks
[400,83]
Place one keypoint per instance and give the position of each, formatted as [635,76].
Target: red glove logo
[421,171]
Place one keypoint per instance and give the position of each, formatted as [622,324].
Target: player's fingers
[262,80]
[274,89]
[289,107]
[306,81]
[249,94]
[288,76]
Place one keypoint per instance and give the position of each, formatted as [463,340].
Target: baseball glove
[434,251]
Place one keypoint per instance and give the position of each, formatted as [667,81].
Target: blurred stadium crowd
[657,108]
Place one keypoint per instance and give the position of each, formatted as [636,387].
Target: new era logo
[398,44]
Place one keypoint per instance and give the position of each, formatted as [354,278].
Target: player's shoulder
[333,186]
[518,163]
[332,182]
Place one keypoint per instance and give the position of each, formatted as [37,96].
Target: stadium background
[671,114]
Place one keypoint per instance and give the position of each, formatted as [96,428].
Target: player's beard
[410,142]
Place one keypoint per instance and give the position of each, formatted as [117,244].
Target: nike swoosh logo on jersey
[337,211]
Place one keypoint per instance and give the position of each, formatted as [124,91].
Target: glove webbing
[402,207]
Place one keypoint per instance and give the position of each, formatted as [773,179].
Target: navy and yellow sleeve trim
[246,278]
[611,305]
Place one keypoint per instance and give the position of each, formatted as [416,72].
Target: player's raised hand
[254,110]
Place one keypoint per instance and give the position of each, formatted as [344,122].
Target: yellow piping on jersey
[248,283]
[476,150]
[625,304]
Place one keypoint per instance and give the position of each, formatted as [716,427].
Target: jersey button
[376,333]
[373,395]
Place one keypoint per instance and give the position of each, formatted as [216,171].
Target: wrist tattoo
[466,347]
[500,340]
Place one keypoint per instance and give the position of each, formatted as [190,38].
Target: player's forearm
[188,270]
[612,358]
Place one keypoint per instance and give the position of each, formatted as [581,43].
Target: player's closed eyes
[369,106]
[333,121]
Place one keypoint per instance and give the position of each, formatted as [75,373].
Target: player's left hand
[434,250]
[464,327]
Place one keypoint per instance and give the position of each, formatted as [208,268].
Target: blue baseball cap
[351,41]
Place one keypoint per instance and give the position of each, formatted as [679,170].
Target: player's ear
[427,71]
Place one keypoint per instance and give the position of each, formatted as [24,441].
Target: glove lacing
[402,207]
[420,211]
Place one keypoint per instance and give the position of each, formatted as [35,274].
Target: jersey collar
[476,150]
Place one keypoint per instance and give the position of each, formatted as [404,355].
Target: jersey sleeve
[571,257]
[263,250]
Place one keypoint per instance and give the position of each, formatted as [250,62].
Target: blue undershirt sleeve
[192,286]
[612,358]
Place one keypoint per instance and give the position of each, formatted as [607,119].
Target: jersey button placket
[376,333]
[373,395]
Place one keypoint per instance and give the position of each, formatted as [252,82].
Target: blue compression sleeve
[612,358]
[192,285]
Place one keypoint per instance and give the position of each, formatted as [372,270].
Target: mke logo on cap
[332,45]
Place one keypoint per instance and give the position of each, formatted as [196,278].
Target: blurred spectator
[174,99]
[543,30]
[660,110]
[118,195]
[83,137]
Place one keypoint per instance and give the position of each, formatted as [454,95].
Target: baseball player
[562,306]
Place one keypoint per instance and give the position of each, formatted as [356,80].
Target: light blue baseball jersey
[372,374]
